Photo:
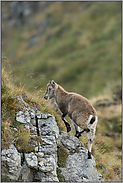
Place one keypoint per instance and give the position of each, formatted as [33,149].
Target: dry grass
[107,146]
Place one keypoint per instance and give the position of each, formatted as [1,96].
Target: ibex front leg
[66,123]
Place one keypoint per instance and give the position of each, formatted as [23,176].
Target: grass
[5,178]
[60,176]
[80,49]
[67,51]
[107,142]
[62,155]
[10,106]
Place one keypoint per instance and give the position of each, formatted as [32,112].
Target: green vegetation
[80,48]
[62,156]
[10,107]
[80,44]
[107,147]
[60,176]
[5,178]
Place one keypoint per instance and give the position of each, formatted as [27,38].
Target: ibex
[78,108]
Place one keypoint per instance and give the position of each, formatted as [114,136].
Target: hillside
[107,147]
[78,44]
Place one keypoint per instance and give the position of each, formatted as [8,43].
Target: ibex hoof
[77,135]
[68,129]
[89,155]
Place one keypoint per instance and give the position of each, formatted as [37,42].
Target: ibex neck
[60,93]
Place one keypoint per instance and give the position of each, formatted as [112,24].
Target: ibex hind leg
[90,136]
[78,134]
[77,128]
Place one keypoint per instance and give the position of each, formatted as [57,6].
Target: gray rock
[15,129]
[33,40]
[32,115]
[39,115]
[27,173]
[78,167]
[70,142]
[41,165]
[23,117]
[48,126]
[40,154]
[31,160]
[44,116]
[20,117]
[47,164]
[11,159]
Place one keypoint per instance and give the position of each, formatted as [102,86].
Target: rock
[78,167]
[31,160]
[27,173]
[40,154]
[42,25]
[41,165]
[70,142]
[23,117]
[20,117]
[105,102]
[47,164]
[11,162]
[44,161]
[33,40]
[39,115]
[117,94]
[48,127]
[15,129]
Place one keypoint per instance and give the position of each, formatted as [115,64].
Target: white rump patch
[89,119]
[94,123]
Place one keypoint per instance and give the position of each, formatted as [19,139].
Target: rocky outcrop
[41,164]
[21,9]
[78,167]
[11,162]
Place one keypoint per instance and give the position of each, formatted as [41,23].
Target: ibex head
[50,91]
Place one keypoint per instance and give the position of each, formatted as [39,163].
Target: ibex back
[78,108]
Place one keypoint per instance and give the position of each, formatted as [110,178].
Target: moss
[60,176]
[62,156]
[5,178]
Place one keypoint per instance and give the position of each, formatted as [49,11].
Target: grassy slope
[107,149]
[81,44]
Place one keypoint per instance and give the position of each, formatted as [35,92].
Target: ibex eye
[49,89]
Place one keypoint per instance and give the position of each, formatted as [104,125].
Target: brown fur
[77,107]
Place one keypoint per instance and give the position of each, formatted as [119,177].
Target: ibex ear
[52,82]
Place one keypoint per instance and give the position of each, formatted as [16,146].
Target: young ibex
[78,108]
